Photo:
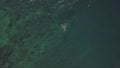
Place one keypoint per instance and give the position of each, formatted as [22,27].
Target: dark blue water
[92,41]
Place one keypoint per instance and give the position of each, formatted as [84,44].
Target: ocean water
[59,34]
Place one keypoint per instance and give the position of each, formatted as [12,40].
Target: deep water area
[59,34]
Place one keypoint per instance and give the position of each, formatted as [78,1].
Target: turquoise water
[59,34]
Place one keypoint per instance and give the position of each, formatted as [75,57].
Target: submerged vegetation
[29,28]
